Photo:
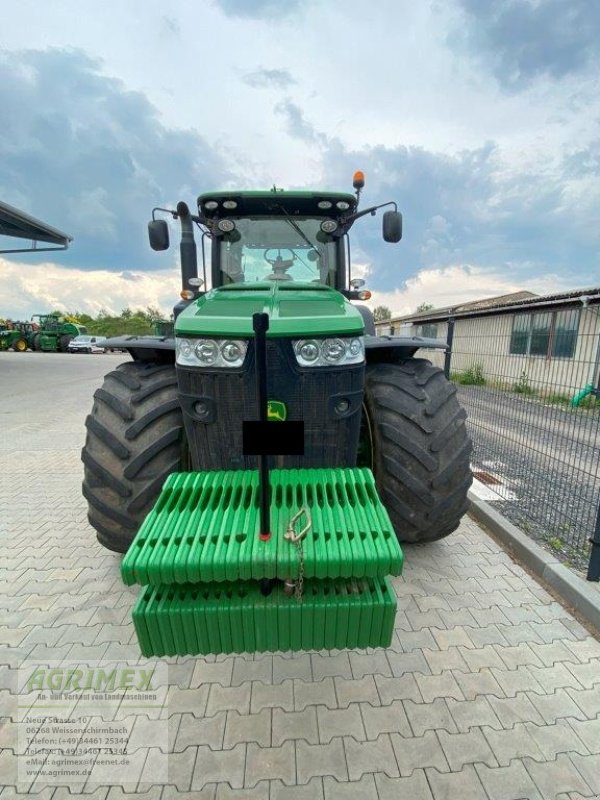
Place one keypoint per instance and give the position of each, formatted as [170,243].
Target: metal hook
[291,534]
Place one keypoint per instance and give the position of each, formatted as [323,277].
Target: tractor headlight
[329,352]
[213,353]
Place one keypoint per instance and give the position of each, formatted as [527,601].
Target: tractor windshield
[277,249]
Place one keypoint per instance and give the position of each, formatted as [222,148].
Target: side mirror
[392,226]
[158,234]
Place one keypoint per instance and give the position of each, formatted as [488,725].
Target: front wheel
[415,440]
[135,439]
[20,346]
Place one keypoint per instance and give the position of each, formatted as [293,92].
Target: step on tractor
[16,335]
[260,468]
[54,333]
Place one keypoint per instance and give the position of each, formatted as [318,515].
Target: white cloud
[28,289]
[460,284]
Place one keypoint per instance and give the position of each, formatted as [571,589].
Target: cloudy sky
[479,117]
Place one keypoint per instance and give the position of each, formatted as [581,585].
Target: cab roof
[303,203]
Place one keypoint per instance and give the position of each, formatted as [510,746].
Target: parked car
[87,344]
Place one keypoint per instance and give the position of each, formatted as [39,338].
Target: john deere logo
[276,410]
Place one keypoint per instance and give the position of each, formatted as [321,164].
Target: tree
[424,307]
[381,313]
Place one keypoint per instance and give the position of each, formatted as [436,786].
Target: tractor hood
[294,309]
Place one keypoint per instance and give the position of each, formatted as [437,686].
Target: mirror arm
[349,220]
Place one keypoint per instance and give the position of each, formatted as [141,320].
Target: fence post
[448,354]
[593,573]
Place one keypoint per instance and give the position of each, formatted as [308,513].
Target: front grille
[309,394]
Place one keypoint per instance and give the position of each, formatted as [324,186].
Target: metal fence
[528,379]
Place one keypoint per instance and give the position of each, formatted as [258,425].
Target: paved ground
[490,691]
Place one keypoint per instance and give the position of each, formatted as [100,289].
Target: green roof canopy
[20,225]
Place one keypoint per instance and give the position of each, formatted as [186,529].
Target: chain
[300,582]
[297,539]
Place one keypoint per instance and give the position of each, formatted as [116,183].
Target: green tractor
[16,336]
[260,468]
[54,333]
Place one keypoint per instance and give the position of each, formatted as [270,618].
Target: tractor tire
[64,343]
[36,342]
[415,437]
[20,346]
[135,439]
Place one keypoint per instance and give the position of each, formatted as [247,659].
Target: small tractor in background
[260,468]
[16,335]
[54,333]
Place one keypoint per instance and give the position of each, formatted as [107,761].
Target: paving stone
[313,790]
[216,766]
[290,725]
[516,680]
[404,688]
[515,709]
[363,690]
[444,685]
[314,693]
[553,652]
[298,666]
[363,789]
[417,640]
[553,777]
[333,723]
[385,719]
[588,732]
[557,738]
[247,728]
[429,716]
[424,619]
[491,634]
[270,763]
[192,701]
[556,706]
[587,674]
[401,663]
[554,677]
[367,757]
[464,784]
[414,787]
[280,695]
[585,649]
[481,658]
[440,660]
[220,672]
[369,664]
[453,637]
[473,684]
[224,698]
[588,700]
[324,666]
[589,768]
[225,792]
[469,714]
[466,748]
[514,743]
[550,631]
[321,759]
[418,752]
[257,669]
[508,783]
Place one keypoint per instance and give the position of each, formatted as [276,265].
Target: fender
[386,349]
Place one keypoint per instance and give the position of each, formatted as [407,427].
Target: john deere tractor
[260,468]
[16,335]
[54,333]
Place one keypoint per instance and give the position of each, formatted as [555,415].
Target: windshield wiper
[296,227]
